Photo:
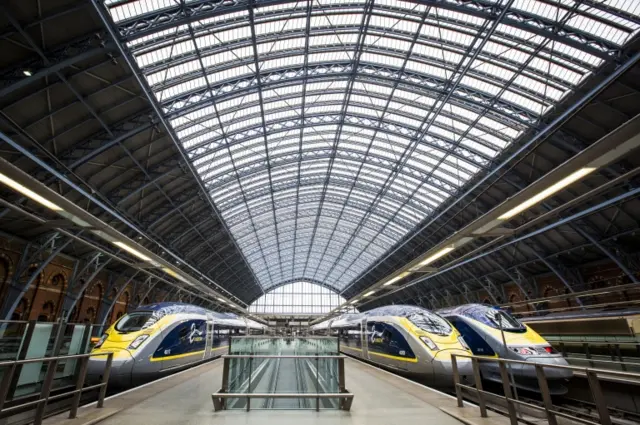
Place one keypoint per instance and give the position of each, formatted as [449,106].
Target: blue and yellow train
[495,333]
[158,339]
[407,339]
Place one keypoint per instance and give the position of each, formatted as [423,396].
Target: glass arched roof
[327,130]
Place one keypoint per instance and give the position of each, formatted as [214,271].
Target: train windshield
[500,319]
[430,322]
[133,322]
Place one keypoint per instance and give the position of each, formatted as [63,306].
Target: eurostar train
[407,339]
[492,332]
[158,339]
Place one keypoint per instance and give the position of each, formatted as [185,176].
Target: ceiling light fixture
[437,255]
[133,251]
[369,293]
[27,73]
[397,278]
[170,272]
[571,178]
[28,193]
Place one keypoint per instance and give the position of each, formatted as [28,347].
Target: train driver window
[386,337]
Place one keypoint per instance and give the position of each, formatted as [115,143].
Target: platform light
[221,299]
[571,178]
[170,272]
[27,73]
[395,279]
[133,251]
[28,193]
[369,293]
[437,255]
[353,302]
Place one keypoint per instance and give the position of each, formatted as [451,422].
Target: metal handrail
[285,356]
[590,341]
[280,337]
[45,392]
[548,407]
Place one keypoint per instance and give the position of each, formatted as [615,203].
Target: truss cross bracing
[326,130]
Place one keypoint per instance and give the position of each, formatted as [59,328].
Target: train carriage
[161,338]
[407,339]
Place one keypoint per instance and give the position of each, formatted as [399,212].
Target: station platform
[381,398]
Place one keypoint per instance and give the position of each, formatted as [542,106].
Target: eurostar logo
[376,336]
[195,335]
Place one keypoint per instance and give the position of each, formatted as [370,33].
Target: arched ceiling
[326,131]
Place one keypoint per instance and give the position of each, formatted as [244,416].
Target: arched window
[297,298]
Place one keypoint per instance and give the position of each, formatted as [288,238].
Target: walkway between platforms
[381,398]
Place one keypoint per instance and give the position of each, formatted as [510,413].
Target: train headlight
[139,340]
[432,345]
[101,341]
[524,351]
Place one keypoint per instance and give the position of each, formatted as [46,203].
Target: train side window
[183,332]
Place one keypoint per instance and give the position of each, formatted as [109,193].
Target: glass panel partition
[292,366]
[21,340]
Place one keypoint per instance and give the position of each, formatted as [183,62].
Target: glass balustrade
[297,370]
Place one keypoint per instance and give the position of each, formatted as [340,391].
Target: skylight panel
[272,47]
[422,68]
[340,39]
[341,56]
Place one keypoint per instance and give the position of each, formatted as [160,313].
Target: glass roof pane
[321,154]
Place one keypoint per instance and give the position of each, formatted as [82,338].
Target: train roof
[162,309]
[466,309]
[389,310]
[400,310]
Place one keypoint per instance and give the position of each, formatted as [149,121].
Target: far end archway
[297,298]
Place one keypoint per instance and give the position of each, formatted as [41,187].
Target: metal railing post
[82,373]
[46,390]
[587,353]
[226,366]
[249,387]
[456,380]
[317,382]
[22,353]
[546,396]
[506,385]
[478,381]
[598,397]
[620,358]
[105,380]
[342,388]
[6,384]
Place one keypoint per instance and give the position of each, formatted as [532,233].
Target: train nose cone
[443,370]
[121,368]
[549,372]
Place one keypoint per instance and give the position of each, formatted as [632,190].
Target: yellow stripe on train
[180,356]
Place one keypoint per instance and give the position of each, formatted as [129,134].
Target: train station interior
[320,212]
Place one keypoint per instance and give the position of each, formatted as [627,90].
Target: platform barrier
[8,370]
[283,373]
[593,377]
